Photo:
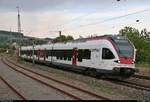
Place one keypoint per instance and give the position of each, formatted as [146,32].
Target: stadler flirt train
[109,55]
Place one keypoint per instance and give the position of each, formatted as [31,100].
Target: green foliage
[8,38]
[2,50]
[30,41]
[63,38]
[141,40]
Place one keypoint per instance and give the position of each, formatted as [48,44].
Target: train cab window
[107,54]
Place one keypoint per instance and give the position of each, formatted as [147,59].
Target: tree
[63,38]
[141,40]
[145,34]
[68,38]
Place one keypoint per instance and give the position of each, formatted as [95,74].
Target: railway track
[13,88]
[141,76]
[130,84]
[61,86]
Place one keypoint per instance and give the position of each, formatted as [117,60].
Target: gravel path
[6,93]
[30,88]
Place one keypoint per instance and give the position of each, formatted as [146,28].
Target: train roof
[88,41]
[98,38]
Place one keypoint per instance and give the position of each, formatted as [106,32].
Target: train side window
[69,58]
[53,53]
[68,54]
[80,55]
[61,54]
[65,55]
[57,54]
[49,52]
[107,54]
[30,52]
[35,52]
[86,54]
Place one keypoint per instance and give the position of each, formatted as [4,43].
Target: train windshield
[124,46]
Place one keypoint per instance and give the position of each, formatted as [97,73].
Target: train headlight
[132,62]
[117,61]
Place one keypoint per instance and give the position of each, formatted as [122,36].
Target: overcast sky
[39,18]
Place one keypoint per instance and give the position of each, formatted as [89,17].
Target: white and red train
[105,55]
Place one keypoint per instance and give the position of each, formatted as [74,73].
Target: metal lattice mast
[19,23]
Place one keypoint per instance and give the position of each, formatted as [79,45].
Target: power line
[76,18]
[114,18]
[110,19]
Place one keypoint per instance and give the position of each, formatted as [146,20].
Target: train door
[107,58]
[74,56]
[95,56]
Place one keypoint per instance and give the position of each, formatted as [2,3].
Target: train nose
[124,71]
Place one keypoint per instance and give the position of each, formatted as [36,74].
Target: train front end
[125,65]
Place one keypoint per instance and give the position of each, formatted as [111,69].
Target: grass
[143,64]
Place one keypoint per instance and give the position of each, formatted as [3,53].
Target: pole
[33,61]
[19,31]
[19,23]
[59,33]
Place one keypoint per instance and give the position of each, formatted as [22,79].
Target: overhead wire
[114,18]
[76,18]
[98,22]
[110,19]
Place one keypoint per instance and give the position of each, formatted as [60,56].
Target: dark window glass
[68,54]
[69,58]
[86,54]
[35,52]
[65,55]
[53,53]
[124,46]
[107,54]
[61,58]
[80,55]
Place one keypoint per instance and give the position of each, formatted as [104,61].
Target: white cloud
[39,23]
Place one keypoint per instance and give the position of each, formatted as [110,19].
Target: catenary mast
[19,23]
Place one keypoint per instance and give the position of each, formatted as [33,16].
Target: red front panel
[124,60]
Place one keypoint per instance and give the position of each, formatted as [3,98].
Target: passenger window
[80,55]
[107,54]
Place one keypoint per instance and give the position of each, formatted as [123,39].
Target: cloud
[40,17]
[34,5]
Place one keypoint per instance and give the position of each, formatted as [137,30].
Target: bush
[2,50]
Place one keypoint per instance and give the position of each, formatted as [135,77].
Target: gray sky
[74,17]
